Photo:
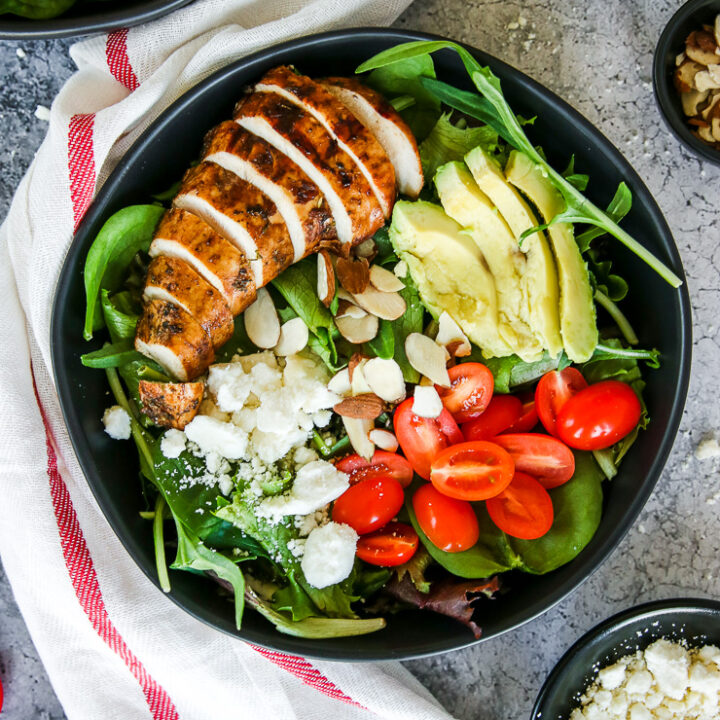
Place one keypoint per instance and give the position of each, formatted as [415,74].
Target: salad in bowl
[370,349]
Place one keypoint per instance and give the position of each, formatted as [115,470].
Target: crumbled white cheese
[296,547]
[117,423]
[329,554]
[315,485]
[230,385]
[708,448]
[173,443]
[666,681]
[215,436]
[426,402]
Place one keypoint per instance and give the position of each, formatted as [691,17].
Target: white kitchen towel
[113,645]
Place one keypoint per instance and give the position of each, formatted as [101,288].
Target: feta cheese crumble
[665,681]
[173,443]
[117,423]
[214,436]
[329,554]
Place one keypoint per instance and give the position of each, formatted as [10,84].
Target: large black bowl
[691,16]
[695,622]
[87,17]
[661,315]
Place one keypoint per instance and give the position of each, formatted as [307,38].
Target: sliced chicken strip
[304,140]
[242,213]
[171,404]
[299,200]
[173,280]
[185,236]
[171,336]
[392,132]
[349,132]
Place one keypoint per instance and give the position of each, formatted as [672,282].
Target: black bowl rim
[648,611]
[12,28]
[663,89]
[277,641]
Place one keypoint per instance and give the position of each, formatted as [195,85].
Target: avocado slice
[465,203]
[578,325]
[450,272]
[540,276]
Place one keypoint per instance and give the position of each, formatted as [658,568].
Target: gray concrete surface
[597,55]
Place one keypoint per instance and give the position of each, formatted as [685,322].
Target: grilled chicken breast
[241,213]
[185,236]
[351,135]
[171,404]
[171,336]
[383,121]
[173,280]
[293,131]
[298,199]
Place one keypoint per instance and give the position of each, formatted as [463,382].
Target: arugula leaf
[511,372]
[448,142]
[385,251]
[126,232]
[578,207]
[159,543]
[618,316]
[618,208]
[579,180]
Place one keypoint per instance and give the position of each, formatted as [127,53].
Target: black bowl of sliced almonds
[686,76]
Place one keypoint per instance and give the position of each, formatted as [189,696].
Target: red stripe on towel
[310,675]
[116,52]
[81,164]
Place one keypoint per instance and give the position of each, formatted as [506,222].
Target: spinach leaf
[579,209]
[115,355]
[578,507]
[383,344]
[385,251]
[120,323]
[511,372]
[35,9]
[194,555]
[448,142]
[403,80]
[411,321]
[126,232]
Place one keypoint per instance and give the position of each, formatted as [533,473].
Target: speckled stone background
[597,55]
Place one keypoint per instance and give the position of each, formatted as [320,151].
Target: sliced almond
[712,107]
[358,431]
[325,278]
[345,295]
[361,407]
[705,81]
[385,281]
[354,275]
[355,360]
[705,133]
[426,402]
[385,305]
[358,330]
[348,309]
[358,383]
[691,100]
[450,335]
[261,321]
[340,383]
[715,128]
[700,46]
[293,337]
[716,30]
[684,76]
[400,270]
[385,379]
[367,249]
[679,59]
[428,358]
[384,439]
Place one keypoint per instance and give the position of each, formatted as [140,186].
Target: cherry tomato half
[382,463]
[470,390]
[599,416]
[369,504]
[449,524]
[528,418]
[423,439]
[472,470]
[524,510]
[500,414]
[544,457]
[392,545]
[553,391]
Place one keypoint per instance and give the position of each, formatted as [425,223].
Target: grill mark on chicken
[172,279]
[293,192]
[299,135]
[349,134]
[170,404]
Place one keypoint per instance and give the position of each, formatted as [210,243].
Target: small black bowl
[694,621]
[85,18]
[160,156]
[691,16]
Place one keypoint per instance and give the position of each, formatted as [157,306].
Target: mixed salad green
[220,524]
[38,9]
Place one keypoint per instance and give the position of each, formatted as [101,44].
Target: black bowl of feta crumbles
[653,661]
